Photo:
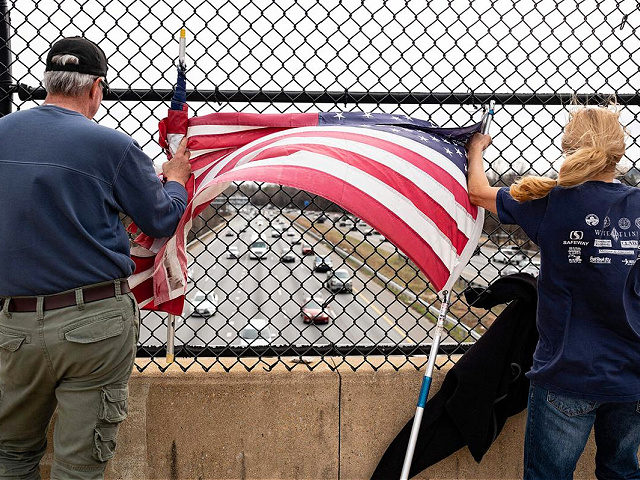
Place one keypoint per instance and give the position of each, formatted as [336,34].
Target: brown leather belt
[67,299]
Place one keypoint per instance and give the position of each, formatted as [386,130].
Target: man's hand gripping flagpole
[435,345]
[171,319]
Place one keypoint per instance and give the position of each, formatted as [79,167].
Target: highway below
[276,291]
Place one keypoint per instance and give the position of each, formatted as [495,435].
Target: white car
[256,333]
[340,281]
[233,252]
[258,249]
[190,275]
[204,305]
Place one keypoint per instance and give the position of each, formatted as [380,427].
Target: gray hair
[66,83]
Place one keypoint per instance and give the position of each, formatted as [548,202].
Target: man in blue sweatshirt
[68,323]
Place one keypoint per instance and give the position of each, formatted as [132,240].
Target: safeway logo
[576,235]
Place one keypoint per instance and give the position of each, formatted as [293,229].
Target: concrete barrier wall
[281,424]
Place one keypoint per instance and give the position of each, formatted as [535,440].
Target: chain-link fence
[278,273]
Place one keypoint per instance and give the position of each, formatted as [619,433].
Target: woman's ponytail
[593,142]
[531,188]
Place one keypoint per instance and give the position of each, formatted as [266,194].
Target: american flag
[403,176]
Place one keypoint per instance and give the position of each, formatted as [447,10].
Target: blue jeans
[558,428]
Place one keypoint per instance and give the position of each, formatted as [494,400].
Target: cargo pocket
[95,329]
[104,441]
[10,341]
[113,403]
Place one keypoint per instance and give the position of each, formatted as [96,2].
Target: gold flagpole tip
[183,33]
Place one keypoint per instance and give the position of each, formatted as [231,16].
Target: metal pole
[424,390]
[171,335]
[171,319]
[488,117]
[6,96]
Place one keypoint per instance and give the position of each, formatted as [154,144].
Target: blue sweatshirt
[588,235]
[63,181]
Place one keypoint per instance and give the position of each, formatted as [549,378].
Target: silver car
[340,281]
[204,305]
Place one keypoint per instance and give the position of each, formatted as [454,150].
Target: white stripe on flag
[219,129]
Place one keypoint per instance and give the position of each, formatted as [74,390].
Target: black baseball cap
[92,59]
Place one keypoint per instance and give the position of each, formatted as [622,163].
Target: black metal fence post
[6,100]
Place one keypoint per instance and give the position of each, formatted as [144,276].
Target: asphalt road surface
[273,290]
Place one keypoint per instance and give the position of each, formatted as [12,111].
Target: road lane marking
[387,319]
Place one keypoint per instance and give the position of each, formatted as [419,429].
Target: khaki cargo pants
[79,359]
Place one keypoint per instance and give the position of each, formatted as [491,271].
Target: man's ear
[95,88]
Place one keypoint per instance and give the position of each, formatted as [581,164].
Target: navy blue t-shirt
[63,181]
[588,238]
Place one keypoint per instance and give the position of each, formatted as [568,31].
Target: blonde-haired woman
[586,367]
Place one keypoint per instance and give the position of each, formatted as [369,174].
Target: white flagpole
[424,390]
[171,319]
[433,352]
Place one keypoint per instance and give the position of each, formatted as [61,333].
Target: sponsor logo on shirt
[629,243]
[624,223]
[574,254]
[615,234]
[617,252]
[628,261]
[603,260]
[607,222]
[638,222]
[599,242]
[575,238]
[592,220]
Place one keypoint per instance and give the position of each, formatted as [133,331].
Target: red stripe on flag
[285,120]
[229,140]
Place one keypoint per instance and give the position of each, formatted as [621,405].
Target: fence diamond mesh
[431,60]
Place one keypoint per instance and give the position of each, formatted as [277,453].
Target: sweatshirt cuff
[176,190]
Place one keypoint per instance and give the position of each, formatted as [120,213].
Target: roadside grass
[403,272]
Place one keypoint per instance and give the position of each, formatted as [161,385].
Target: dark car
[287,256]
[322,264]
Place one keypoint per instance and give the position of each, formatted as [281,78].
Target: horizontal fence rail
[26,93]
